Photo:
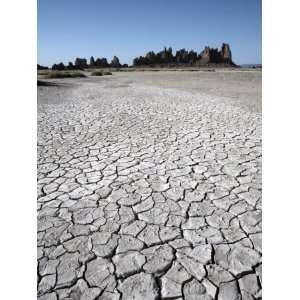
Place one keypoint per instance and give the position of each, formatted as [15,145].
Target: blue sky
[103,28]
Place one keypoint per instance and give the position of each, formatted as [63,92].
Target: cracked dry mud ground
[147,191]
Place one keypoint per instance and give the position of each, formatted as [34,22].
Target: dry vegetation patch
[100,73]
[60,74]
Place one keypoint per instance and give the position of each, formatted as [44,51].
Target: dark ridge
[47,83]
[54,75]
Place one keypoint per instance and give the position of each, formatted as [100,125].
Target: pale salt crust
[147,190]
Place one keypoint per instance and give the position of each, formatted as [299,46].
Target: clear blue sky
[130,28]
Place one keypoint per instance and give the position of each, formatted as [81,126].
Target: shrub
[97,73]
[100,73]
[58,74]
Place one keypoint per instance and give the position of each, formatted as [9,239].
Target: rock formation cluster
[165,58]
[209,56]
[39,67]
[82,63]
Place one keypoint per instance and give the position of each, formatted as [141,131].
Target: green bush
[107,73]
[59,74]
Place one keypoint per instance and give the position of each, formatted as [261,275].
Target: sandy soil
[239,87]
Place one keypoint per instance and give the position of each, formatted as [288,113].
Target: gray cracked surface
[146,191]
